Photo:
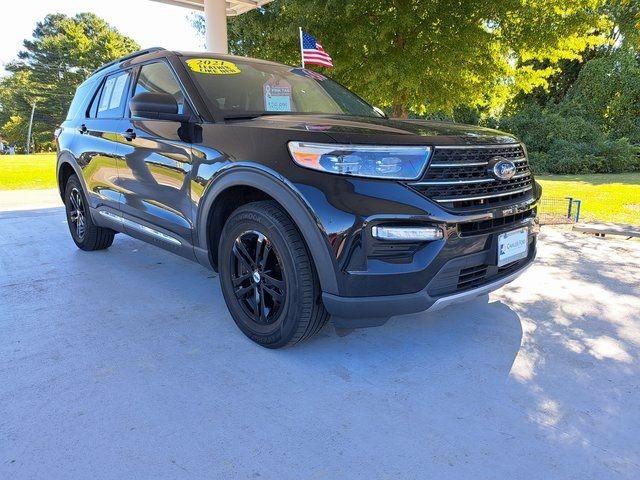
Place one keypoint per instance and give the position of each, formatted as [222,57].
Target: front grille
[472,271]
[399,251]
[471,277]
[486,226]
[458,177]
[479,275]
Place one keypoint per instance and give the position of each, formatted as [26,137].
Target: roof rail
[128,57]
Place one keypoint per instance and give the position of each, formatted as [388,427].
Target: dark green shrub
[594,129]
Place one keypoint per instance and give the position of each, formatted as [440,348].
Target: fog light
[407,234]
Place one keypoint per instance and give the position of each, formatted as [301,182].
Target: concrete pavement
[125,364]
[14,200]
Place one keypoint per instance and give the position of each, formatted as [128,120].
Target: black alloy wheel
[86,234]
[258,281]
[77,216]
[268,278]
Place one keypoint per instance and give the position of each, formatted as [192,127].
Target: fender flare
[66,157]
[289,198]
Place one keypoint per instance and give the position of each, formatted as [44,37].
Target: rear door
[156,172]
[101,140]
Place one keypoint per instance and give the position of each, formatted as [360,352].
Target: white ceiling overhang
[234,7]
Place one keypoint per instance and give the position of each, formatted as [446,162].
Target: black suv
[309,202]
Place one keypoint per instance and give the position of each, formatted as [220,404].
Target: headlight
[392,162]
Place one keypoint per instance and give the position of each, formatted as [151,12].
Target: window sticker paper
[212,66]
[277,96]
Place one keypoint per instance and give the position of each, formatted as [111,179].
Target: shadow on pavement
[126,362]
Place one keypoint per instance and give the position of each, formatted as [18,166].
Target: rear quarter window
[80,100]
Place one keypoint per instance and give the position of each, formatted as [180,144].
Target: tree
[428,55]
[588,120]
[62,52]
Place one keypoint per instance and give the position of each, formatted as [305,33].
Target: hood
[367,130]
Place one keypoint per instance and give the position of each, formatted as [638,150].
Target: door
[155,173]
[100,140]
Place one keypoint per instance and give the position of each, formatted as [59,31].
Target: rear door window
[111,99]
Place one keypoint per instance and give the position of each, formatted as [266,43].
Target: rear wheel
[267,277]
[85,234]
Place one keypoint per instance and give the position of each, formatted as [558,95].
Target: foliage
[427,56]
[607,93]
[625,16]
[62,52]
[594,128]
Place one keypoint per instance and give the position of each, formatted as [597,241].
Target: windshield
[244,89]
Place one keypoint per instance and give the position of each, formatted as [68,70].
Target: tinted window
[158,78]
[238,87]
[80,100]
[110,100]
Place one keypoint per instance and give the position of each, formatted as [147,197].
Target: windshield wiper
[250,115]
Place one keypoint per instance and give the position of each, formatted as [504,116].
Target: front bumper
[362,312]
[378,279]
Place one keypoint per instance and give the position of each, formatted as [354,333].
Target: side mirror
[157,106]
[380,112]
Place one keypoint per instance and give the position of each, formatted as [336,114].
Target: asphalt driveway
[125,364]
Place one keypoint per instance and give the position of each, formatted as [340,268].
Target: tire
[86,235]
[268,279]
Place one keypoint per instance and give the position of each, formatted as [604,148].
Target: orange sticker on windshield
[212,66]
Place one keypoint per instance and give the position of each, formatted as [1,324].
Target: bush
[595,128]
[566,144]
[567,158]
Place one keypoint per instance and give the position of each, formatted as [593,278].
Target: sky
[151,24]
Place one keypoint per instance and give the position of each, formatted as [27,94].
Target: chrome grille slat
[477,147]
[447,165]
[457,177]
[456,182]
[470,181]
[504,194]
[474,164]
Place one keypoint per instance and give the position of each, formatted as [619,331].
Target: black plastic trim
[363,312]
[292,201]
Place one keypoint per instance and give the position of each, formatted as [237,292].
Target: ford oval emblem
[501,168]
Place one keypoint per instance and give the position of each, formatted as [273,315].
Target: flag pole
[301,47]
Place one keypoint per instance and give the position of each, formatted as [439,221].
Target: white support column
[215,14]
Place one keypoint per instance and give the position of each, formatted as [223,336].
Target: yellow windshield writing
[211,66]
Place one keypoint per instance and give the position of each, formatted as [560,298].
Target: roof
[223,56]
[234,7]
[144,54]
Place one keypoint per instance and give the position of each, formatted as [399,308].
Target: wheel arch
[263,184]
[66,167]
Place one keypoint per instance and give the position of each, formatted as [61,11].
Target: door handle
[83,129]
[129,134]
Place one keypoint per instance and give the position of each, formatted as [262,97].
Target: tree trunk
[400,110]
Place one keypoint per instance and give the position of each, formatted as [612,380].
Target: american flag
[313,53]
[303,72]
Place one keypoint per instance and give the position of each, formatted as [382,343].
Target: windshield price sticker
[277,96]
[211,66]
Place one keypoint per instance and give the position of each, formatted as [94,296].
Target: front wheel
[86,235]
[268,278]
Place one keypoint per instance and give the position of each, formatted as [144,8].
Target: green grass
[28,171]
[605,197]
